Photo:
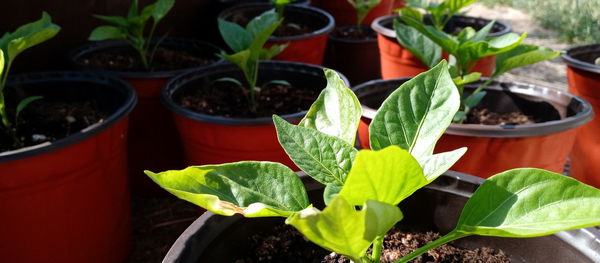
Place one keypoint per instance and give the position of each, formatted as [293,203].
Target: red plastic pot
[68,200]
[209,139]
[496,148]
[397,62]
[398,4]
[344,13]
[306,48]
[584,80]
[151,124]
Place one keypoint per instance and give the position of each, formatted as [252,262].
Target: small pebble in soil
[38,138]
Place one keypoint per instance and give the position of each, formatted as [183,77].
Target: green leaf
[418,44]
[115,20]
[416,114]
[161,8]
[325,158]
[274,50]
[340,228]
[246,62]
[445,41]
[277,82]
[522,55]
[412,12]
[259,38]
[133,9]
[363,7]
[230,80]
[28,36]
[330,192]
[471,77]
[253,189]
[472,101]
[23,103]
[483,33]
[529,202]
[336,111]
[389,175]
[495,46]
[456,5]
[1,67]
[437,164]
[106,32]
[234,35]
[262,23]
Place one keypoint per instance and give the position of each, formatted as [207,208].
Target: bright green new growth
[247,43]
[363,188]
[280,6]
[132,27]
[464,49]
[363,7]
[11,45]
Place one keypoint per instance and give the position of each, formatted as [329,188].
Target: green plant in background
[11,45]
[132,28]
[363,188]
[465,48]
[439,13]
[362,7]
[280,6]
[247,43]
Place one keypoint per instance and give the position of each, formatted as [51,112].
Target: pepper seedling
[362,8]
[247,43]
[131,28]
[11,45]
[280,6]
[464,49]
[363,188]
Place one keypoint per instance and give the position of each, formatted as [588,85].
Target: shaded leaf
[330,192]
[106,32]
[445,41]
[522,55]
[161,8]
[23,103]
[115,20]
[418,44]
[456,5]
[474,100]
[437,164]
[234,35]
[28,36]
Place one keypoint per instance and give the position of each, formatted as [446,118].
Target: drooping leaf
[336,111]
[416,114]
[445,41]
[23,103]
[325,158]
[230,80]
[529,202]
[437,164]
[522,55]
[343,229]
[389,175]
[234,35]
[418,44]
[115,20]
[253,189]
[28,36]
[106,32]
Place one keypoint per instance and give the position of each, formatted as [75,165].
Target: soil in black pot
[127,60]
[353,33]
[285,244]
[43,121]
[487,117]
[287,29]
[228,100]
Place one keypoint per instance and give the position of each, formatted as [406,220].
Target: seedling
[362,7]
[132,27]
[464,49]
[11,45]
[247,43]
[516,203]
[280,6]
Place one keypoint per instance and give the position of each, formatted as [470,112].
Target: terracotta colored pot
[68,200]
[398,4]
[357,59]
[344,13]
[151,125]
[306,48]
[209,139]
[397,62]
[495,148]
[215,238]
[584,80]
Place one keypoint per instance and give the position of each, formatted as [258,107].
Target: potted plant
[222,111]
[304,28]
[344,13]
[363,188]
[583,74]
[128,48]
[397,61]
[352,49]
[63,160]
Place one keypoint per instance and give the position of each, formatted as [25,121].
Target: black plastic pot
[152,126]
[214,238]
[357,59]
[304,48]
[543,145]
[77,184]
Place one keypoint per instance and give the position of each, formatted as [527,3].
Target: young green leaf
[161,8]
[336,111]
[412,12]
[362,8]
[483,33]
[471,77]
[253,189]
[340,228]
[416,114]
[418,44]
[445,41]
[261,23]
[437,164]
[115,20]
[1,67]
[389,175]
[133,9]
[325,158]
[528,203]
[456,5]
[522,55]
[23,103]
[28,36]
[106,32]
[262,31]
[330,192]
[234,35]
[494,46]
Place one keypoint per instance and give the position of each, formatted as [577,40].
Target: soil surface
[228,100]
[43,121]
[486,117]
[164,59]
[354,33]
[286,245]
[287,29]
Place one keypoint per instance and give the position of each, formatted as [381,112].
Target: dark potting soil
[164,59]
[43,121]
[354,33]
[287,29]
[227,100]
[487,117]
[286,244]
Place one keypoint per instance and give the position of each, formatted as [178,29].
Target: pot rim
[507,131]
[289,8]
[95,46]
[92,130]
[578,64]
[354,41]
[175,83]
[377,25]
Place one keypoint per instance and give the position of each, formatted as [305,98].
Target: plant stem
[438,242]
[377,247]
[481,87]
